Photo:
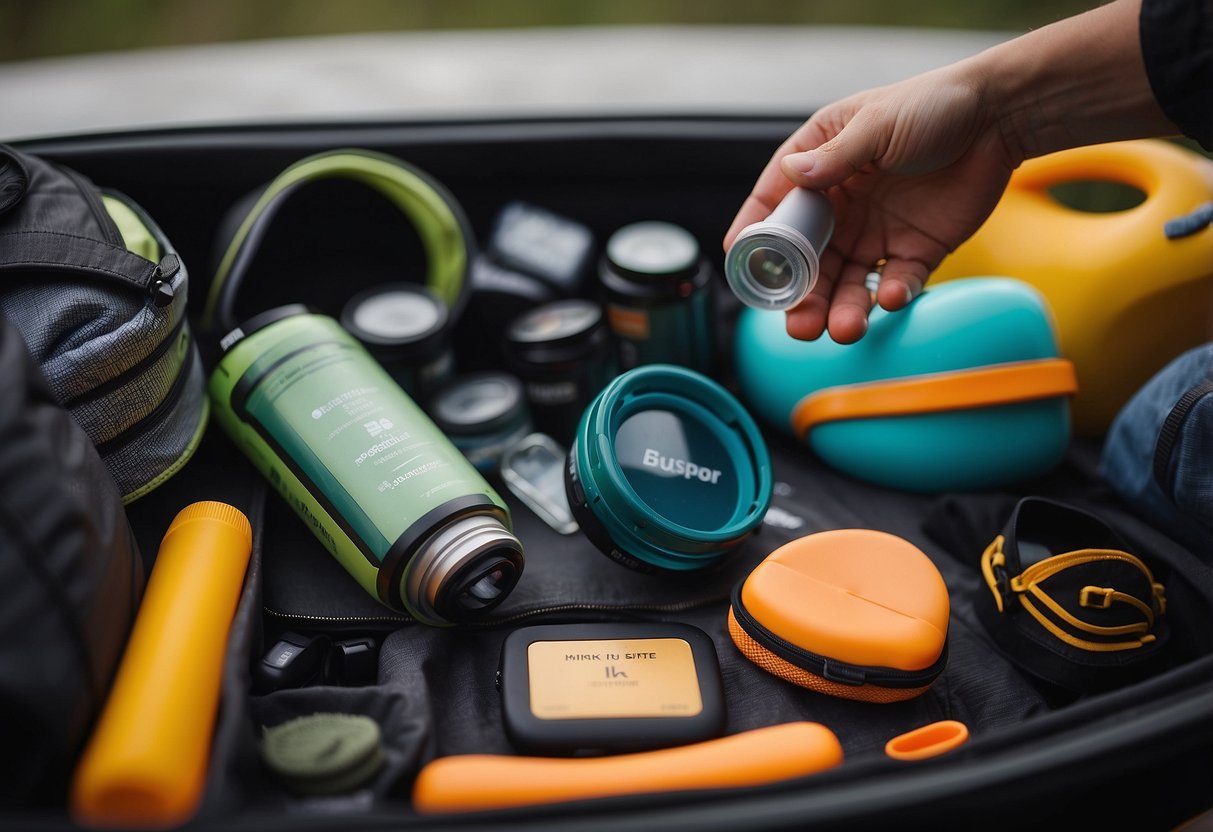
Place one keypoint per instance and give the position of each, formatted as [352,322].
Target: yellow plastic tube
[476,782]
[145,764]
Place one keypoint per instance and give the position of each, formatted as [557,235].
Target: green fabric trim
[137,236]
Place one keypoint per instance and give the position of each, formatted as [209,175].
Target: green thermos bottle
[378,484]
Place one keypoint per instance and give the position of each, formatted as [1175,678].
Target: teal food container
[962,390]
[667,472]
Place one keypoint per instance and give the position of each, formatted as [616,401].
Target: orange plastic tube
[928,741]
[145,764]
[477,782]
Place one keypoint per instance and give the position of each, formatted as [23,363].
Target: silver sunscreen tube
[773,264]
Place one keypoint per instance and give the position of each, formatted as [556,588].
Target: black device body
[583,661]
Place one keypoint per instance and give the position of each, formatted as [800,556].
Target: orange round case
[854,613]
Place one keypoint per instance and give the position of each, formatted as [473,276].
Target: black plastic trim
[827,668]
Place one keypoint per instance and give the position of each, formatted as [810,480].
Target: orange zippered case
[854,613]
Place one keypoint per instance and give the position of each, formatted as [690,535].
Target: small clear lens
[770,269]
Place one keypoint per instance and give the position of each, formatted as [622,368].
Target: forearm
[1078,81]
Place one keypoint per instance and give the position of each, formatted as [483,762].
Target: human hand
[912,170]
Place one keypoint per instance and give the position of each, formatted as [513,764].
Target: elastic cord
[444,229]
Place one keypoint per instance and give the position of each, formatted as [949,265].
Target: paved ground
[703,70]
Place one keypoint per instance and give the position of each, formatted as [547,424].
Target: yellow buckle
[1096,597]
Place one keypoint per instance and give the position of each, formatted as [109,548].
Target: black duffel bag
[70,581]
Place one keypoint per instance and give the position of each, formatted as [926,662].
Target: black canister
[659,296]
[563,353]
[406,327]
[482,414]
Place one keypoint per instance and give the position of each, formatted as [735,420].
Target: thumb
[858,144]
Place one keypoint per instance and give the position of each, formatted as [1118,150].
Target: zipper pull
[159,288]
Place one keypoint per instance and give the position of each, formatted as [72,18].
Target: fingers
[772,185]
[753,210]
[857,145]
[831,146]
[850,305]
[900,282]
[842,303]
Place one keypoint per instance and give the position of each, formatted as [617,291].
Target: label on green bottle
[354,456]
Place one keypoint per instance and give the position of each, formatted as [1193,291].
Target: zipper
[155,282]
[681,606]
[159,286]
[153,418]
[118,381]
[339,619]
[1168,433]
[487,624]
[836,671]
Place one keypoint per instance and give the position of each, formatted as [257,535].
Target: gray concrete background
[465,74]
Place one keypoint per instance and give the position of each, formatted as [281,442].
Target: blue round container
[667,471]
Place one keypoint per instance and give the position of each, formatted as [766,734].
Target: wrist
[1078,81]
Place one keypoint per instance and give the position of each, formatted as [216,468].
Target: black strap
[1168,434]
[34,250]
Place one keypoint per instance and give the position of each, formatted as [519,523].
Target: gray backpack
[98,294]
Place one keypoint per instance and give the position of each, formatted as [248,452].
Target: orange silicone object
[853,595]
[1018,381]
[145,764]
[928,741]
[477,782]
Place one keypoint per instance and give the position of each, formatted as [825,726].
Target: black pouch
[99,295]
[70,582]
[1067,602]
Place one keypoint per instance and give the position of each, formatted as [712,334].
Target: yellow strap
[1082,644]
[1078,623]
[1049,567]
[993,558]
[1028,583]
[1017,381]
[1110,596]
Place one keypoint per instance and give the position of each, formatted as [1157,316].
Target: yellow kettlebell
[1126,298]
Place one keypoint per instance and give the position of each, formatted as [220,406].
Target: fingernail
[801,163]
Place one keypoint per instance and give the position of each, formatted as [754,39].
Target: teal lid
[672,467]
